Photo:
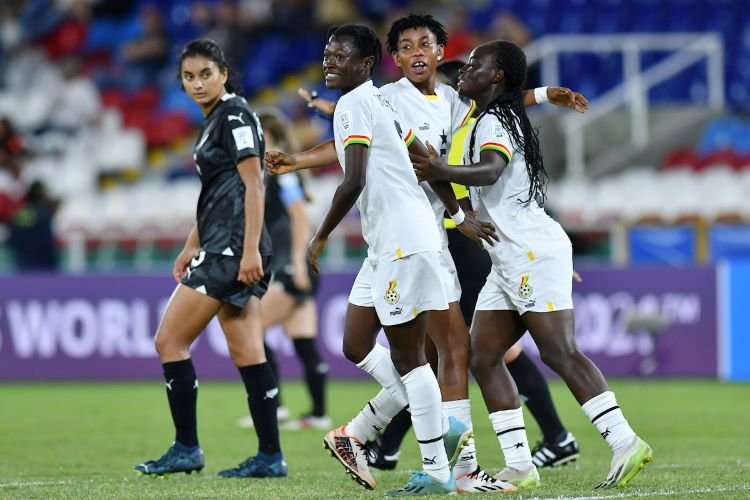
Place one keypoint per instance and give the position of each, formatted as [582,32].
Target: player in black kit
[290,300]
[223,270]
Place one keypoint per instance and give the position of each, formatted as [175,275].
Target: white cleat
[521,479]
[481,482]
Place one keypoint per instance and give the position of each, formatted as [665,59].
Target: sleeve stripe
[497,147]
[409,138]
[470,113]
[357,139]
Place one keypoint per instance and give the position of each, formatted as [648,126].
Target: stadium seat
[680,159]
[720,158]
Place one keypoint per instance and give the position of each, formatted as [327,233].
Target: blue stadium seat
[721,133]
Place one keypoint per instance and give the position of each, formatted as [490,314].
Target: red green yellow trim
[471,112]
[357,139]
[409,138]
[497,147]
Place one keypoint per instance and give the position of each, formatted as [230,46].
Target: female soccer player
[529,287]
[222,271]
[401,279]
[290,300]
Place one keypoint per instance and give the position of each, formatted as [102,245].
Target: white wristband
[458,217]
[540,95]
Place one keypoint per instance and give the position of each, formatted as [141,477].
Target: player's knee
[479,364]
[354,353]
[558,357]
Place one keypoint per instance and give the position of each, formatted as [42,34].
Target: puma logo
[236,117]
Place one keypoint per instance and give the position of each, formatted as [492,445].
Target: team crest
[525,290]
[392,295]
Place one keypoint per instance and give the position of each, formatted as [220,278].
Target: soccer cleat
[282,415]
[521,479]
[178,458]
[481,482]
[261,465]
[455,439]
[553,454]
[627,463]
[307,422]
[379,457]
[421,483]
[352,454]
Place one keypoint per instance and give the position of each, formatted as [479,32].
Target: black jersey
[230,132]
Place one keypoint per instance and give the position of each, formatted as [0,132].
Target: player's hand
[278,163]
[313,101]
[478,231]
[563,96]
[577,277]
[432,168]
[182,262]
[251,268]
[314,249]
[300,277]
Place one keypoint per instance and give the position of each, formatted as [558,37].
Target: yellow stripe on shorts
[550,306]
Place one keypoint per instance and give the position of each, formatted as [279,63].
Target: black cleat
[553,454]
[380,458]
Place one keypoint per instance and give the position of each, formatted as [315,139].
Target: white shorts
[544,284]
[450,276]
[401,289]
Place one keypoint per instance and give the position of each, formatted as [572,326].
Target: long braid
[508,108]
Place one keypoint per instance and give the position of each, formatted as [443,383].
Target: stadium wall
[101,327]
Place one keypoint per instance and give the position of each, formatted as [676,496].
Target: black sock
[533,387]
[315,373]
[182,394]
[396,430]
[271,358]
[262,390]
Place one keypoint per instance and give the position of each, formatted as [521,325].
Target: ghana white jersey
[434,119]
[395,213]
[526,231]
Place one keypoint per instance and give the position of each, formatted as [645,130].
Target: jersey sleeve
[491,135]
[290,189]
[354,123]
[241,133]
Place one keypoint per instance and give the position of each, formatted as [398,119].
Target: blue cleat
[261,465]
[456,439]
[178,458]
[421,483]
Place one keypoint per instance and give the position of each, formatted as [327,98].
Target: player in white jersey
[529,287]
[400,279]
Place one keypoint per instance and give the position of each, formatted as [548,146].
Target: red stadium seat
[720,158]
[114,98]
[146,98]
[681,158]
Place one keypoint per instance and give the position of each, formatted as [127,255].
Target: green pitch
[82,440]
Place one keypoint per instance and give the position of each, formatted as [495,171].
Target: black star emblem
[518,445]
[443,138]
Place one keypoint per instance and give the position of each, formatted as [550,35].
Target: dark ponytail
[210,50]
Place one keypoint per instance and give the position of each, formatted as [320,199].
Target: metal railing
[687,49]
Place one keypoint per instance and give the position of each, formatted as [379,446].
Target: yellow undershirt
[456,157]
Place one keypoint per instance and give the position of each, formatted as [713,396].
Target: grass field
[82,440]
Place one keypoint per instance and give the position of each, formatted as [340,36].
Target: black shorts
[473,265]
[284,277]
[216,276]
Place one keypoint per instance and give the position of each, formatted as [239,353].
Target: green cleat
[455,439]
[521,479]
[627,463]
[421,483]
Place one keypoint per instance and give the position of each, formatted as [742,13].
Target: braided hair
[508,108]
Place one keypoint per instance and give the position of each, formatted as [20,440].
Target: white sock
[461,411]
[424,403]
[608,419]
[374,416]
[378,363]
[510,431]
